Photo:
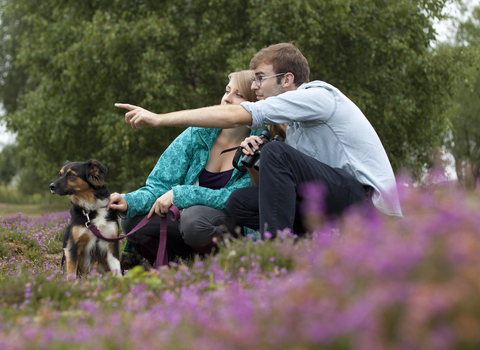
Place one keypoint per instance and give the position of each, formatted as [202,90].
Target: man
[329,141]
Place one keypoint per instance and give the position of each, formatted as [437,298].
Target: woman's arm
[169,171]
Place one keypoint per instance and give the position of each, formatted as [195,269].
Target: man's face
[269,86]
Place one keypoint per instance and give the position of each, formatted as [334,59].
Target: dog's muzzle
[52,188]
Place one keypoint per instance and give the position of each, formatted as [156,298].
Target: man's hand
[117,202]
[249,143]
[138,116]
[219,117]
[162,204]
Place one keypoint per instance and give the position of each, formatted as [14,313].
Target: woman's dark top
[215,181]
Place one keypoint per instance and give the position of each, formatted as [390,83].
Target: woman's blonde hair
[243,82]
[278,129]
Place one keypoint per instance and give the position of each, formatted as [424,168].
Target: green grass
[13,202]
[32,210]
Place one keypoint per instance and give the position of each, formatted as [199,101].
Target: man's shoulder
[315,84]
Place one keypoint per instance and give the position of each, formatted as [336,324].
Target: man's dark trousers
[275,204]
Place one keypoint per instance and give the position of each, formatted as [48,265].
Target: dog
[82,251]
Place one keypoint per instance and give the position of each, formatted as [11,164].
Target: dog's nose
[52,188]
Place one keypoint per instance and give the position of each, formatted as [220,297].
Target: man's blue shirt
[326,125]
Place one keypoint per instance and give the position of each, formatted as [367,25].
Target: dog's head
[79,178]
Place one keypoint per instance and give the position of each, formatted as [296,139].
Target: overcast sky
[4,136]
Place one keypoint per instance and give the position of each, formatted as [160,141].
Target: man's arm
[219,117]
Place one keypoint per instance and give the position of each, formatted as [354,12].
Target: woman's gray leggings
[197,227]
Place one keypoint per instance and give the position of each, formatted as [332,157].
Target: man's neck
[292,87]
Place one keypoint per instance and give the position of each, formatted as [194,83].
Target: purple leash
[162,244]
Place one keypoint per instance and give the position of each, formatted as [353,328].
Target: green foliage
[464,111]
[378,53]
[14,80]
[268,256]
[466,130]
[169,55]
[469,31]
[10,163]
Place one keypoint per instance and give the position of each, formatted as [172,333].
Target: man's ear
[95,173]
[288,83]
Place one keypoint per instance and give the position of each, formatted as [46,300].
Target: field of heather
[363,282]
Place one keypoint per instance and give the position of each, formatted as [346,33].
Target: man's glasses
[258,80]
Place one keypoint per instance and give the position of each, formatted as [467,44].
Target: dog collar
[85,213]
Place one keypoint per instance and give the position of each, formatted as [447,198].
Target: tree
[13,77]
[171,55]
[465,110]
[10,164]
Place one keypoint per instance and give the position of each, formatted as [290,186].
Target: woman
[194,176]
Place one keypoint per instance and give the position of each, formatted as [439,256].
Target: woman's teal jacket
[179,168]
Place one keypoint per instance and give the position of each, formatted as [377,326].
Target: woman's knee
[200,224]
[188,223]
[195,226]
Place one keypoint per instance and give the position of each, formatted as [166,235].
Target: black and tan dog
[82,251]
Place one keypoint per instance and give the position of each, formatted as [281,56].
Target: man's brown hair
[284,58]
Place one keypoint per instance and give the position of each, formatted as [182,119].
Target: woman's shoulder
[193,132]
[195,137]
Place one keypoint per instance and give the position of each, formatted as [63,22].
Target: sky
[445,29]
[5,137]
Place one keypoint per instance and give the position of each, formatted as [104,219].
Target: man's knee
[274,149]
[242,202]
[233,203]
[273,157]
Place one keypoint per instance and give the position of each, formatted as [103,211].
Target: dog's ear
[95,173]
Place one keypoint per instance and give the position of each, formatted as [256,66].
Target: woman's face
[232,95]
